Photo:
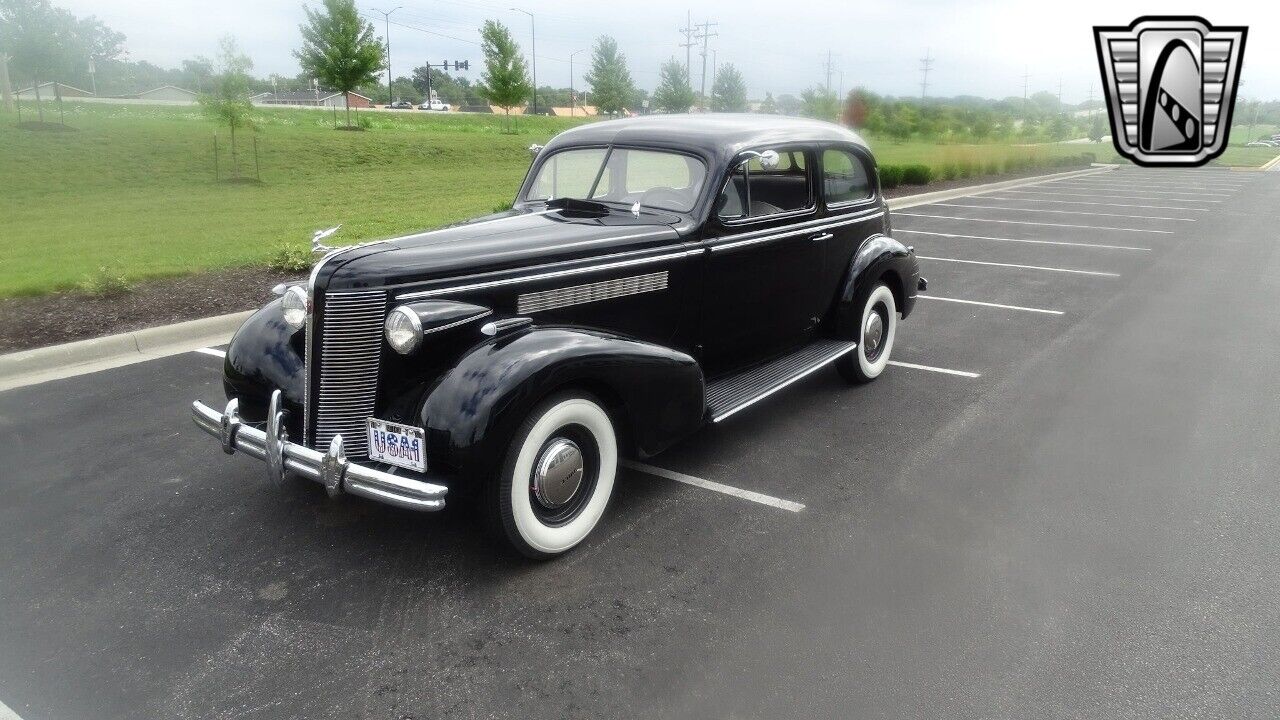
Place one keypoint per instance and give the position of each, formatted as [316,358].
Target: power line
[688,31]
[926,64]
[705,35]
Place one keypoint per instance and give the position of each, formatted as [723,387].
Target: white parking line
[1107,195]
[1131,188]
[1062,212]
[7,714]
[1028,222]
[1086,202]
[751,495]
[990,304]
[1021,240]
[1024,267]
[213,351]
[944,371]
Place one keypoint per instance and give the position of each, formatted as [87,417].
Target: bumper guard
[331,469]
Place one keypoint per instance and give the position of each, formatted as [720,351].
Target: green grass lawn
[131,188]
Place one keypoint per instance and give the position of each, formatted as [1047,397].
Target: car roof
[719,135]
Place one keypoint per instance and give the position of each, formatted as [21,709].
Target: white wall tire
[877,327]
[530,519]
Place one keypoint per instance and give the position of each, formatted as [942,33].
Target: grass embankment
[130,194]
[131,190]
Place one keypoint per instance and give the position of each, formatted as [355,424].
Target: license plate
[395,444]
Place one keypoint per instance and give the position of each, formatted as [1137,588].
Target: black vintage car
[654,275]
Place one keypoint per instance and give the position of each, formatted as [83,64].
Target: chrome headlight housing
[403,330]
[294,306]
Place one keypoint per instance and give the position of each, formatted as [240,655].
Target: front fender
[878,256]
[655,393]
[265,354]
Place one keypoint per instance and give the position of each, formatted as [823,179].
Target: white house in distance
[311,98]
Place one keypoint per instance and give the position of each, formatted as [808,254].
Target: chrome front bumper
[331,469]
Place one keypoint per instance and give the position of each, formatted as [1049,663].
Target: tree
[197,71]
[504,82]
[769,105]
[788,104]
[611,86]
[48,43]
[228,101]
[729,92]
[673,94]
[820,103]
[339,48]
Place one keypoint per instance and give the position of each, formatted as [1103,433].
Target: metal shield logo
[1171,87]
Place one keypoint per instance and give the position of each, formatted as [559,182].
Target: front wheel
[879,322]
[557,477]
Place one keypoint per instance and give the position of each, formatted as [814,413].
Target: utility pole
[386,16]
[533,54]
[705,36]
[713,70]
[573,96]
[1059,94]
[926,64]
[5,89]
[828,66]
[1026,77]
[688,31]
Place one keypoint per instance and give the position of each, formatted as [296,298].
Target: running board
[730,394]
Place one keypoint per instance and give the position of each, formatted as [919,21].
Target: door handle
[823,236]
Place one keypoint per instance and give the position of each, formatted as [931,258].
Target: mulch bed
[65,317]
[982,180]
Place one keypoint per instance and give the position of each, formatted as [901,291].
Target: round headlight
[404,330]
[294,305]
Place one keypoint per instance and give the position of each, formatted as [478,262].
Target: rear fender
[878,257]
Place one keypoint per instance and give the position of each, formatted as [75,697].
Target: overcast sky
[979,48]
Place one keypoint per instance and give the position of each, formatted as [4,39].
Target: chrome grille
[350,347]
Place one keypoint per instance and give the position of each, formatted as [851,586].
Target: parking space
[1079,509]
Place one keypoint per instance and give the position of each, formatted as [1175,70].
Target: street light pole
[386,16]
[572,95]
[533,54]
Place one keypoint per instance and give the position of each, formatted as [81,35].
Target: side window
[752,191]
[844,177]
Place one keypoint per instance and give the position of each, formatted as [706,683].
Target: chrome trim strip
[547,275]
[846,220]
[591,292]
[456,323]
[820,364]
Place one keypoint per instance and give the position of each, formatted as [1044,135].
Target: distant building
[312,98]
[50,90]
[577,111]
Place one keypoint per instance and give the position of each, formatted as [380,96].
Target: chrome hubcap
[873,333]
[557,473]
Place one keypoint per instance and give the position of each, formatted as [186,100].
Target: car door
[852,208]
[760,297]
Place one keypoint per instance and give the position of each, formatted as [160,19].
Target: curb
[29,367]
[1270,164]
[907,201]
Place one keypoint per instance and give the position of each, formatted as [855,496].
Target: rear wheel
[557,476]
[877,326]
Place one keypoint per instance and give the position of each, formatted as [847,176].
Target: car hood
[506,241]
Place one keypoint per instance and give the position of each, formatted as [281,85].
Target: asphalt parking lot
[1062,503]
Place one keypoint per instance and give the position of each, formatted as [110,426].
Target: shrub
[993,167]
[1088,158]
[890,176]
[291,258]
[950,171]
[917,175]
[106,281]
[966,169]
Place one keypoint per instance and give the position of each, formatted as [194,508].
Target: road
[1080,524]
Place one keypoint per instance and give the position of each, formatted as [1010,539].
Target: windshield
[653,178]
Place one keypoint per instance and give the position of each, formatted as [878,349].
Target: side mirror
[768,159]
